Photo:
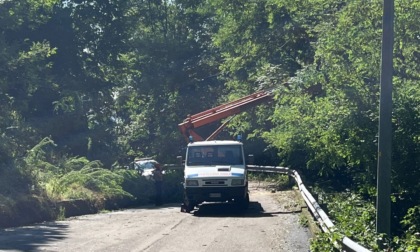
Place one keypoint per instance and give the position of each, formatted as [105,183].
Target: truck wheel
[243,204]
[189,208]
[188,205]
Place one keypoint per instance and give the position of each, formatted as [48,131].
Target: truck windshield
[215,155]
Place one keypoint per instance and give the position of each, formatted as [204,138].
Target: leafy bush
[353,217]
[64,178]
[136,185]
[411,238]
[356,219]
[88,183]
[172,187]
[75,164]
[279,181]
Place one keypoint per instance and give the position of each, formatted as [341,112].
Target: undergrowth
[278,181]
[45,175]
[356,218]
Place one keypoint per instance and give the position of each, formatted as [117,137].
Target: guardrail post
[251,159]
[179,159]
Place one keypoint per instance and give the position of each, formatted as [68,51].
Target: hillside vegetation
[87,86]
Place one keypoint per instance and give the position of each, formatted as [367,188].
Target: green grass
[278,181]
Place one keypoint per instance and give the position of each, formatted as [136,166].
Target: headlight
[237,181]
[192,182]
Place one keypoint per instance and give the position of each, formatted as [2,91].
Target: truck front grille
[215,182]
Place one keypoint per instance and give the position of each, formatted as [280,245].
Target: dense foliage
[87,86]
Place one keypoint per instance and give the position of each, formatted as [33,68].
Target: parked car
[145,166]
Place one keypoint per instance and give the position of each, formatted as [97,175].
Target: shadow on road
[230,210]
[31,237]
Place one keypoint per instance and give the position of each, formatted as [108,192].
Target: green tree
[25,68]
[255,35]
[334,131]
[172,74]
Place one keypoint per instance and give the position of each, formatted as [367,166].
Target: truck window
[215,155]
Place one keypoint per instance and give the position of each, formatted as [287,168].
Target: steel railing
[324,221]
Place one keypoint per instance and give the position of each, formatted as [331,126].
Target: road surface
[270,224]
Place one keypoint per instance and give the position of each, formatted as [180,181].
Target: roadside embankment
[29,209]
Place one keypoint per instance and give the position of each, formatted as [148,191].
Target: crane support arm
[220,112]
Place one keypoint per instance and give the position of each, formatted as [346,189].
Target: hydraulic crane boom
[206,117]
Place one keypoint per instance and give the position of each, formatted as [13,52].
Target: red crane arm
[222,111]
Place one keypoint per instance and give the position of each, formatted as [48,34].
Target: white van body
[215,171]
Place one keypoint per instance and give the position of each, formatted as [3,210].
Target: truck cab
[215,171]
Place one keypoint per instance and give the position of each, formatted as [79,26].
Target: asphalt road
[270,224]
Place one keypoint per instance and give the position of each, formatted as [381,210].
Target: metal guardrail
[173,166]
[325,223]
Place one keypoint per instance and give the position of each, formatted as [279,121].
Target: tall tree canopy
[110,81]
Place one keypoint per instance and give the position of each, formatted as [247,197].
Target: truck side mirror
[250,159]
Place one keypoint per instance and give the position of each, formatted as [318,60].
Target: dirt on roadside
[289,201]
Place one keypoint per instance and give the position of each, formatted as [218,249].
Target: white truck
[215,171]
